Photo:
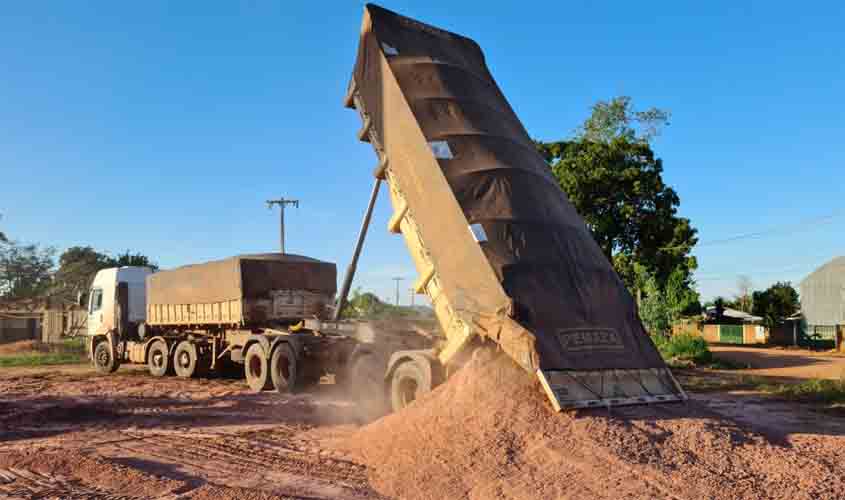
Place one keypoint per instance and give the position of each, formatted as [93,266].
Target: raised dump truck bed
[243,290]
[500,251]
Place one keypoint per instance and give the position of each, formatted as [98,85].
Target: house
[733,327]
[823,302]
[43,319]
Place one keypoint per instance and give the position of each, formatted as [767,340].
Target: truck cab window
[96,299]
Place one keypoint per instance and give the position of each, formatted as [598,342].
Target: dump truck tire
[186,360]
[284,370]
[407,383]
[104,362]
[257,369]
[158,359]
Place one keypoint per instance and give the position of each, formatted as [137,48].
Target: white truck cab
[102,299]
[116,300]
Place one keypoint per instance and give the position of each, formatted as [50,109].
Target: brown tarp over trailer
[244,276]
[562,289]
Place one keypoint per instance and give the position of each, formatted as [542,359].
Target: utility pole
[282,202]
[397,280]
[413,294]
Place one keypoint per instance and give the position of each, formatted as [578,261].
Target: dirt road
[797,363]
[75,434]
[72,433]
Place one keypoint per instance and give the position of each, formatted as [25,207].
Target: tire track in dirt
[233,460]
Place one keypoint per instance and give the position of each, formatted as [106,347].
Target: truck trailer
[266,312]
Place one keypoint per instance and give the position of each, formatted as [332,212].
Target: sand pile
[489,433]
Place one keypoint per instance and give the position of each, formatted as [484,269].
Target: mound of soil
[489,433]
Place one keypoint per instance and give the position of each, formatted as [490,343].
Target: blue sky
[162,127]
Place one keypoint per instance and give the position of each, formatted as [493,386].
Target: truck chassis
[285,358]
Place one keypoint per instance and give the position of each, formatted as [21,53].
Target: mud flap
[605,388]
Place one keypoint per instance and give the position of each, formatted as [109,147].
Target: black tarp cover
[564,290]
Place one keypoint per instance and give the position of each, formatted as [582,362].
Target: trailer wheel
[158,360]
[104,362]
[256,369]
[407,383]
[185,359]
[283,369]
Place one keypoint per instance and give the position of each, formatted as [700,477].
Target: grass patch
[827,392]
[68,351]
[684,349]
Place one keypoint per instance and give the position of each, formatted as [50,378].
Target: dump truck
[267,312]
[503,257]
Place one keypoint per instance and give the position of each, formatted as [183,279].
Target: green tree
[133,259]
[617,119]
[25,270]
[681,297]
[78,265]
[654,310]
[613,178]
[775,303]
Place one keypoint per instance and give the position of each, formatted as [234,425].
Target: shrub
[684,347]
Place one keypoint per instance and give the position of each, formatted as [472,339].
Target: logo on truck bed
[590,339]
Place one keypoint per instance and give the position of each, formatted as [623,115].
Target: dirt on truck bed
[487,433]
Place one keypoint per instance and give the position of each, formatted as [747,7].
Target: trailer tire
[407,383]
[283,369]
[186,362]
[104,360]
[256,368]
[158,359]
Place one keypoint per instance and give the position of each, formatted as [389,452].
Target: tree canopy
[25,270]
[615,181]
[775,303]
[617,119]
[78,265]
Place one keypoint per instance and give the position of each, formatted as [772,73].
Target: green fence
[730,334]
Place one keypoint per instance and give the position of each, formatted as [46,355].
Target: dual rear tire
[279,370]
[186,361]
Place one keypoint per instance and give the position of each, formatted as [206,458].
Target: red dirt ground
[791,363]
[488,433]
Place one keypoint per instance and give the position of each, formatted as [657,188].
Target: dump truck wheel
[283,369]
[104,362]
[158,359]
[185,359]
[407,384]
[256,369]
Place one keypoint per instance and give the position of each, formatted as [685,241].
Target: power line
[801,225]
[796,267]
[796,227]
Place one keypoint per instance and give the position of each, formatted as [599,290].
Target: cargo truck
[266,312]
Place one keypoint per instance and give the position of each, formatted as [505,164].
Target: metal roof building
[823,300]
[823,294]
